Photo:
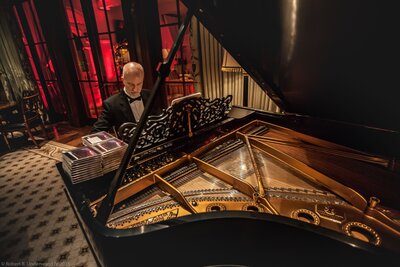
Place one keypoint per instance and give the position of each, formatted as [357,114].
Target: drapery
[15,73]
[207,56]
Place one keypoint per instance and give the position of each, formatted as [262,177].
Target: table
[7,110]
[7,105]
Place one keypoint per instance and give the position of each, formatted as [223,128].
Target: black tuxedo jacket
[116,111]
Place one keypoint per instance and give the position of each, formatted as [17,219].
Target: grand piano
[211,184]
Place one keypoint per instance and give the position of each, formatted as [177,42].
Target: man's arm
[105,120]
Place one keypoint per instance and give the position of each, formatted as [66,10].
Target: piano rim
[90,221]
[84,215]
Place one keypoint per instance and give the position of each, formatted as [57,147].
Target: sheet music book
[81,153]
[177,100]
[112,151]
[82,163]
[95,138]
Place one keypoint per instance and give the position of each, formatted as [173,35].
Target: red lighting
[108,3]
[108,60]
[56,134]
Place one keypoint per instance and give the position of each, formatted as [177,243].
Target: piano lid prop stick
[107,205]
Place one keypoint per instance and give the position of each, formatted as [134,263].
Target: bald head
[132,68]
[133,75]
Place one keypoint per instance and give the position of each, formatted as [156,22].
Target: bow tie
[130,99]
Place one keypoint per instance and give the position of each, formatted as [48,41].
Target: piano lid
[332,59]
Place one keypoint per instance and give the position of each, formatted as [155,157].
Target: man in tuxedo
[128,105]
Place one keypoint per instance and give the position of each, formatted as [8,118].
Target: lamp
[229,64]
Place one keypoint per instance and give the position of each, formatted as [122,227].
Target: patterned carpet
[37,224]
[51,150]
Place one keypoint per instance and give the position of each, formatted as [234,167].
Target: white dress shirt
[137,107]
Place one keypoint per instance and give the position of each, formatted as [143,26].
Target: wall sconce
[229,64]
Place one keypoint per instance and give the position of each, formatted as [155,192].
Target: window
[180,81]
[99,50]
[38,54]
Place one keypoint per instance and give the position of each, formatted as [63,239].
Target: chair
[23,117]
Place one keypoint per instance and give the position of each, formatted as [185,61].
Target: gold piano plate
[252,169]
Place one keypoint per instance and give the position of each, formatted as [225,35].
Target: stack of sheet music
[112,151]
[95,138]
[83,163]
